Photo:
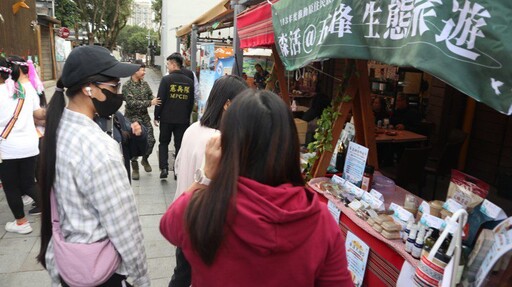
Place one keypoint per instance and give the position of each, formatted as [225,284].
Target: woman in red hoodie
[254,223]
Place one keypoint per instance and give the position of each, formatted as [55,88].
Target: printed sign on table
[355,163]
[357,257]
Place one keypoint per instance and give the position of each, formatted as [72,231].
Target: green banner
[466,43]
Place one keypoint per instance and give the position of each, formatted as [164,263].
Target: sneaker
[35,211]
[164,173]
[27,200]
[25,228]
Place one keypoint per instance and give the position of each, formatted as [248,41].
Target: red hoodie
[280,236]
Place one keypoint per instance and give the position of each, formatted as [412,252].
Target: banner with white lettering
[466,43]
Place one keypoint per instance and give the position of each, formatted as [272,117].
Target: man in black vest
[176,92]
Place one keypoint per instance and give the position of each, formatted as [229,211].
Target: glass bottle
[367,178]
[418,245]
[430,241]
[412,238]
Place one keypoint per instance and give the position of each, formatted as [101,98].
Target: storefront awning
[460,44]
[217,12]
[255,27]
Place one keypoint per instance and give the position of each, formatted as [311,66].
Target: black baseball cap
[86,61]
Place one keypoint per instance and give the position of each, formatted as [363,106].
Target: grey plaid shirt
[94,196]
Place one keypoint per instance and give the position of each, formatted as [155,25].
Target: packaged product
[391,226]
[391,235]
[467,190]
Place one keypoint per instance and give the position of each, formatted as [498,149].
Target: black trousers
[17,177]
[166,131]
[115,281]
[182,276]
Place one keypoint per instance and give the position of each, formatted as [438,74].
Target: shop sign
[63,32]
[465,43]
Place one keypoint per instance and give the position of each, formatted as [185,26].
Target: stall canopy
[255,27]
[221,11]
[465,43]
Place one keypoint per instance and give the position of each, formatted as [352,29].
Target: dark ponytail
[48,155]
[16,68]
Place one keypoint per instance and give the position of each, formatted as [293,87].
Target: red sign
[63,32]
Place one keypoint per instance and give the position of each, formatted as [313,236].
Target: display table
[386,256]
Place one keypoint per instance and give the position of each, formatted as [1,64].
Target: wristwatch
[200,177]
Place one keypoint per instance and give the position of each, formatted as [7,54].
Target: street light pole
[149,43]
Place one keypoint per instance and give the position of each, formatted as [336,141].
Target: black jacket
[176,92]
[132,145]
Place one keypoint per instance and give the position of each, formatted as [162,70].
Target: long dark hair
[259,141]
[225,88]
[48,158]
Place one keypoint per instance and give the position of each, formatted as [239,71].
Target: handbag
[431,271]
[82,264]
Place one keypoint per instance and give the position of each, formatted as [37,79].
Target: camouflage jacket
[138,96]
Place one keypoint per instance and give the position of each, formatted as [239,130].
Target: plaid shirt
[94,196]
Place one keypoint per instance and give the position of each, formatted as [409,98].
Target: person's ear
[227,104]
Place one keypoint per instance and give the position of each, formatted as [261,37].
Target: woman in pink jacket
[254,223]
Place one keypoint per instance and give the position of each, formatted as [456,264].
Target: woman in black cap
[84,180]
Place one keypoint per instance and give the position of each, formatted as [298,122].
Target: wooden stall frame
[360,105]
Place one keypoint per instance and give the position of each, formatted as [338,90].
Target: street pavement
[18,266]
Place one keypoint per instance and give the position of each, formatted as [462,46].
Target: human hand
[136,129]
[156,102]
[212,156]
[156,122]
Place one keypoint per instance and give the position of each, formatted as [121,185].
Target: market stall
[457,42]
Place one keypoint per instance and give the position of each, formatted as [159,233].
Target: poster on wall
[357,257]
[206,75]
[224,67]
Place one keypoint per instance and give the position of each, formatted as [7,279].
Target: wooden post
[467,127]
[40,52]
[52,49]
[364,115]
[283,87]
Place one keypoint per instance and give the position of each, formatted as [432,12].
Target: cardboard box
[302,127]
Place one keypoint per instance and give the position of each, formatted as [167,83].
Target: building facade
[142,14]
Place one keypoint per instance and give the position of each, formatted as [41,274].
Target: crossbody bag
[82,264]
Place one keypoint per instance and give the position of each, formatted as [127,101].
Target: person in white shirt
[19,105]
[84,169]
[191,155]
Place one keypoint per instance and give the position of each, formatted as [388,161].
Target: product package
[467,190]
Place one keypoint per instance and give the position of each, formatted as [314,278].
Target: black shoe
[164,173]
[35,211]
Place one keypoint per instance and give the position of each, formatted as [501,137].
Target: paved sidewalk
[18,266]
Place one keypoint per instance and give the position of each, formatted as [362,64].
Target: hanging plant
[323,134]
